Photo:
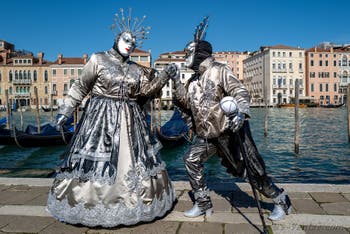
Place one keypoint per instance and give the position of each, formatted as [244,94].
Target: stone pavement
[317,208]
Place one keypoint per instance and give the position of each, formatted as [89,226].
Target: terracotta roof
[139,51]
[70,60]
[282,47]
[317,49]
[175,52]
[169,60]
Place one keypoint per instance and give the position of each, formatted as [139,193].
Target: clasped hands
[172,71]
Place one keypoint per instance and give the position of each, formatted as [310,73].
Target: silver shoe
[282,207]
[196,211]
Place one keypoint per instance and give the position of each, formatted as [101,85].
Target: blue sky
[76,27]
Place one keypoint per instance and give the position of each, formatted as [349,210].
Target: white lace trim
[100,215]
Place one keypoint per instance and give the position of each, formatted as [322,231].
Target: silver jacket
[202,97]
[105,74]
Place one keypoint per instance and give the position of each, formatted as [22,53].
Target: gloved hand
[60,121]
[236,121]
[172,71]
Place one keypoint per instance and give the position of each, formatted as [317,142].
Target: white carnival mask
[126,44]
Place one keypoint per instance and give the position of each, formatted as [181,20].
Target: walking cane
[229,106]
[251,184]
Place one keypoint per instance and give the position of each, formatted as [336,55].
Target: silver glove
[236,121]
[172,71]
[60,121]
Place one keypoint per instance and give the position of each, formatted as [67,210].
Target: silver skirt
[112,173]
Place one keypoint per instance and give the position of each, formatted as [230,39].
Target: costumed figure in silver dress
[218,133]
[112,173]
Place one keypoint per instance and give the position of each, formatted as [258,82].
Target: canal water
[324,155]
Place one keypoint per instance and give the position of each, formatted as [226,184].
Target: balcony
[22,81]
[21,95]
[54,93]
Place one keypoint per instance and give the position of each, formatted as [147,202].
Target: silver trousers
[202,150]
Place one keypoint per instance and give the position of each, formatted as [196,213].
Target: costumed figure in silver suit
[218,133]
[112,173]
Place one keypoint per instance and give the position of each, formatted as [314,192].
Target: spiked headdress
[123,23]
[200,31]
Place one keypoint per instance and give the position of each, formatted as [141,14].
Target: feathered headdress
[124,23]
[200,31]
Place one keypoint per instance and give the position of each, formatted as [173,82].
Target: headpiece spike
[199,33]
[126,25]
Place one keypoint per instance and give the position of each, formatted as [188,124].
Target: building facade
[327,74]
[234,60]
[270,74]
[21,73]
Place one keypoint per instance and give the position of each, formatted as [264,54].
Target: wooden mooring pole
[296,138]
[8,109]
[348,107]
[37,108]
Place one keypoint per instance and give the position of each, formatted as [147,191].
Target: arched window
[21,90]
[24,75]
[20,74]
[46,76]
[29,75]
[10,90]
[17,89]
[35,75]
[0,76]
[46,92]
[10,76]
[16,75]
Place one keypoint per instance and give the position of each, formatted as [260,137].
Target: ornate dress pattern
[112,173]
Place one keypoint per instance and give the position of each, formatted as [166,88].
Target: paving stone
[243,228]
[179,217]
[337,208]
[158,227]
[3,187]
[324,230]
[328,197]
[222,205]
[307,206]
[19,188]
[293,195]
[183,205]
[16,197]
[200,228]
[287,229]
[347,196]
[28,224]
[5,219]
[41,200]
[58,227]
[234,218]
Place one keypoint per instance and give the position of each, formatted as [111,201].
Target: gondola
[332,105]
[175,131]
[48,136]
[48,109]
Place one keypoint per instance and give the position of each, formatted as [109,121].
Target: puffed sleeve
[81,87]
[233,87]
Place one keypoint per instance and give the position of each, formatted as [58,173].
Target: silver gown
[112,173]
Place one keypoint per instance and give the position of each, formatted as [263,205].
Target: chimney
[85,57]
[40,57]
[59,58]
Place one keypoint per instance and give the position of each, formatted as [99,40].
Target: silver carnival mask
[126,43]
[190,51]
